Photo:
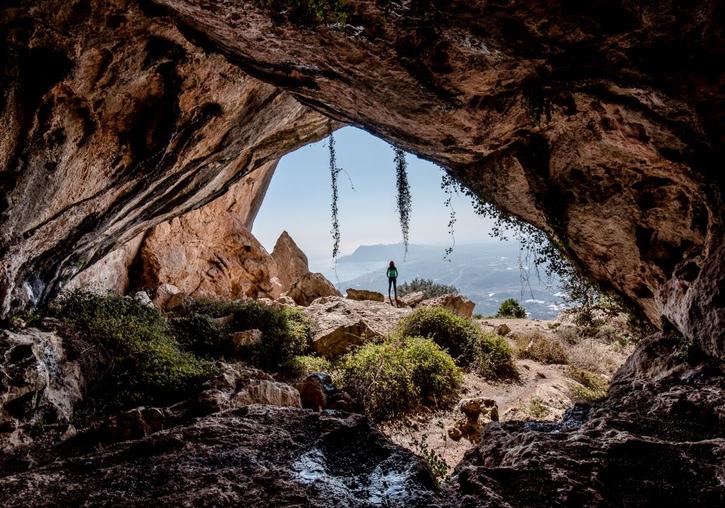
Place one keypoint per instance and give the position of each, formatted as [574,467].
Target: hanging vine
[334,172]
[404,202]
[448,186]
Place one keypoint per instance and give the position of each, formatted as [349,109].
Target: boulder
[470,425]
[412,299]
[455,303]
[340,323]
[143,298]
[39,385]
[364,294]
[318,392]
[163,295]
[503,329]
[311,286]
[291,261]
[271,393]
[285,300]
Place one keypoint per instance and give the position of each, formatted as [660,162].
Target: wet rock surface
[253,456]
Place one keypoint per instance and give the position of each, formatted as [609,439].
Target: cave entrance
[485,269]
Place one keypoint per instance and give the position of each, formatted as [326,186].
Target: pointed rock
[291,261]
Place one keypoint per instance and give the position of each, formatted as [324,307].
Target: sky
[299,199]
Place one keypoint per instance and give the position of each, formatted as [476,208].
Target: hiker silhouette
[392,279]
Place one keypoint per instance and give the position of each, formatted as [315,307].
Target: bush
[510,308]
[542,349]
[489,355]
[286,331]
[147,363]
[199,334]
[493,358]
[451,332]
[429,288]
[304,365]
[393,377]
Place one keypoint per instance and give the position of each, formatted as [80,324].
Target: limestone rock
[39,385]
[340,323]
[163,295]
[252,456]
[311,286]
[285,300]
[457,304]
[503,329]
[470,425]
[272,393]
[364,294]
[413,299]
[291,261]
[318,392]
[143,298]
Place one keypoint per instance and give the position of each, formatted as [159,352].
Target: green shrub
[493,358]
[393,377]
[542,349]
[451,332]
[201,335]
[537,409]
[510,308]
[147,363]
[429,288]
[286,331]
[304,365]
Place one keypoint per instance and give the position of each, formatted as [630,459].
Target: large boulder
[258,456]
[364,294]
[209,253]
[310,287]
[339,324]
[39,386]
[291,261]
[455,303]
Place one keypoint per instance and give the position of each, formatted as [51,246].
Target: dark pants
[392,283]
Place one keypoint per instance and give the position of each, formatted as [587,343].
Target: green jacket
[392,273]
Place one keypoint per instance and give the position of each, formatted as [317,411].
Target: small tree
[429,288]
[511,308]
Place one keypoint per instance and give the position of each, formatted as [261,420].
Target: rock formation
[115,122]
[364,294]
[457,304]
[291,261]
[311,286]
[600,123]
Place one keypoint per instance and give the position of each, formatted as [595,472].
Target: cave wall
[113,123]
[599,122]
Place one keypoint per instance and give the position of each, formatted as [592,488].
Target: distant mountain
[487,273]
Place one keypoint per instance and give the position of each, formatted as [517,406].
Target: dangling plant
[447,184]
[334,172]
[404,204]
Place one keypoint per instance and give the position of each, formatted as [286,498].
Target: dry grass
[592,387]
[541,348]
[592,355]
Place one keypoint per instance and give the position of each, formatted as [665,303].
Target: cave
[600,123]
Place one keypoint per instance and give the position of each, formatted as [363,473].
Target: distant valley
[487,273]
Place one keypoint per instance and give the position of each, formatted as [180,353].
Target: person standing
[392,279]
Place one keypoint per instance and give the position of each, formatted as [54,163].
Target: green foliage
[308,12]
[593,386]
[199,334]
[435,460]
[286,331]
[429,288]
[304,365]
[147,363]
[511,308]
[493,358]
[392,377]
[451,332]
[542,349]
[334,173]
[537,409]
[448,186]
[404,200]
[487,354]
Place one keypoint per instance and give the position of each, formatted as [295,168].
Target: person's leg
[395,288]
[390,283]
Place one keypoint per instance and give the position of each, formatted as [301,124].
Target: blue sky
[299,197]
